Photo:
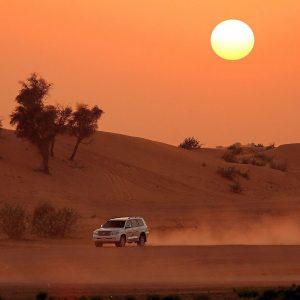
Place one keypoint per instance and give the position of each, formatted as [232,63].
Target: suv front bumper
[106,239]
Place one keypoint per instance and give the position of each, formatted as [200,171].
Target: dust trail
[265,231]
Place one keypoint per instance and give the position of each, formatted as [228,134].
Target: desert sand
[202,234]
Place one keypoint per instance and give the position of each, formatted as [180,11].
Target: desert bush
[231,173]
[190,143]
[281,166]
[48,221]
[244,174]
[13,220]
[236,187]
[245,160]
[235,149]
[263,157]
[257,163]
[228,156]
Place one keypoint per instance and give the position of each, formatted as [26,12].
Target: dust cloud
[265,231]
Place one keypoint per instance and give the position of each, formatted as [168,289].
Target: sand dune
[117,175]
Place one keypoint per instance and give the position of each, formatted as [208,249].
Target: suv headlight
[114,232]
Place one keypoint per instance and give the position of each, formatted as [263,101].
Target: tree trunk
[52,147]
[44,150]
[75,149]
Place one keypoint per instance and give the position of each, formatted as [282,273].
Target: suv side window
[140,222]
[134,223]
[128,224]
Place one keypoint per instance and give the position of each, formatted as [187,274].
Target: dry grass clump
[232,174]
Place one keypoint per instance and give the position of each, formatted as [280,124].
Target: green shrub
[13,220]
[50,222]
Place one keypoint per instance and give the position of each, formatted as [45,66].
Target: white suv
[122,230]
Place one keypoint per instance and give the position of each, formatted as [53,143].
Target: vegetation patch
[236,187]
[13,220]
[190,143]
[231,173]
[47,221]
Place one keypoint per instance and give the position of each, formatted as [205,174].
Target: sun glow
[232,40]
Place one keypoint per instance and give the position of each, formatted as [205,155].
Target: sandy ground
[184,201]
[72,268]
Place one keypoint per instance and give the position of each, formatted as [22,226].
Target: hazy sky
[150,67]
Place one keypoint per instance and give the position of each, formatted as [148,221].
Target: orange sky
[149,65]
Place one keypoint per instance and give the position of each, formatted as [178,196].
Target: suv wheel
[122,241]
[98,244]
[142,240]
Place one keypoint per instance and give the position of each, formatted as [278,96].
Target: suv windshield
[113,224]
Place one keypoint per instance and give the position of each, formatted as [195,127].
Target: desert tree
[62,116]
[33,119]
[190,143]
[83,124]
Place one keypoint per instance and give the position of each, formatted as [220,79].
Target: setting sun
[232,40]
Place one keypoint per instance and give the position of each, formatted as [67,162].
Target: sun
[232,39]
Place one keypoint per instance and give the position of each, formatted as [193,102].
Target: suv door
[136,229]
[129,230]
